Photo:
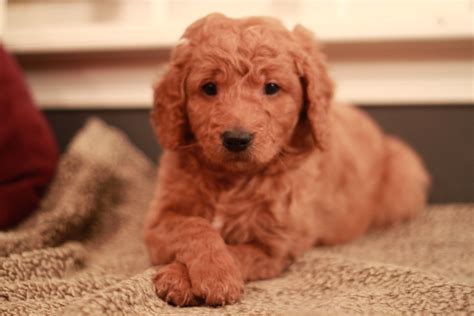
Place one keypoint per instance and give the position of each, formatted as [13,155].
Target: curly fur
[314,174]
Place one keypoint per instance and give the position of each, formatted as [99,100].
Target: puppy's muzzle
[236,140]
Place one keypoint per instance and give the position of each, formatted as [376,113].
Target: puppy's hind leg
[404,185]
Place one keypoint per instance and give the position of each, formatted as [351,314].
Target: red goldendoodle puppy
[258,165]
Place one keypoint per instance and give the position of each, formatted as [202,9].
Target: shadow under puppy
[259,166]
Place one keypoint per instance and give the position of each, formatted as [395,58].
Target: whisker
[188,146]
[282,162]
[284,114]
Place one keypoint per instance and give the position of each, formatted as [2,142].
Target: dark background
[442,134]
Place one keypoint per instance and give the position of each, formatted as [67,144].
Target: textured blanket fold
[82,252]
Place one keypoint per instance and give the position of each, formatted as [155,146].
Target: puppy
[258,165]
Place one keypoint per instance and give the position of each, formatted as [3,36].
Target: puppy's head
[243,92]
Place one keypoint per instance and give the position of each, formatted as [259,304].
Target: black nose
[236,139]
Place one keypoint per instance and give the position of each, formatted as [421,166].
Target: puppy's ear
[168,116]
[169,112]
[317,86]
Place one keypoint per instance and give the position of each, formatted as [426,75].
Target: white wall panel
[86,53]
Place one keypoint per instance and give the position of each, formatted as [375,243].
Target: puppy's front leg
[213,273]
[256,263]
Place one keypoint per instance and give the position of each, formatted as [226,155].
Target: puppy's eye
[209,88]
[271,88]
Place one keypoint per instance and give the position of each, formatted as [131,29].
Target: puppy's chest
[240,215]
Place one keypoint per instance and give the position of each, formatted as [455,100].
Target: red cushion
[28,152]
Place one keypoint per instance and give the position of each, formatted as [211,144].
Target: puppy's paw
[216,280]
[172,285]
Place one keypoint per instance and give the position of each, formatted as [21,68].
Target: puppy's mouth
[238,161]
[240,157]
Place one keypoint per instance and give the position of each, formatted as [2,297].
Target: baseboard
[443,135]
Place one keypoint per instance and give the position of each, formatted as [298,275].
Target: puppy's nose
[236,139]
